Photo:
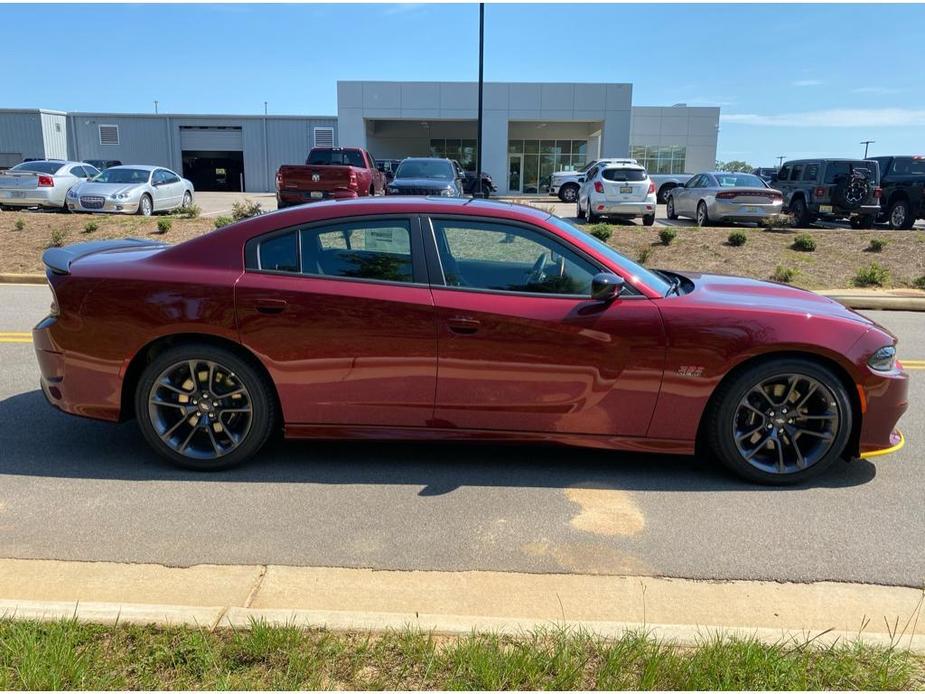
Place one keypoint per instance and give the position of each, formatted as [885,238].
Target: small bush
[874,275]
[919,282]
[737,238]
[600,231]
[667,236]
[783,274]
[805,243]
[876,245]
[644,255]
[163,225]
[778,221]
[20,224]
[242,209]
[90,227]
[222,221]
[189,212]
[57,238]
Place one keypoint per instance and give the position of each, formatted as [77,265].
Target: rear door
[341,314]
[523,348]
[625,184]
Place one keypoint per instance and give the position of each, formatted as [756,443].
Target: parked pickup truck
[329,173]
[902,182]
[665,183]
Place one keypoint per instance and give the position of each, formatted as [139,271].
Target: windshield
[425,168]
[123,176]
[335,157]
[739,180]
[45,167]
[647,277]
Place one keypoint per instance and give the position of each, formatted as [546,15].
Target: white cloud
[806,83]
[877,90]
[834,118]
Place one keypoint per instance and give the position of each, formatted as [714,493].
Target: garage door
[214,139]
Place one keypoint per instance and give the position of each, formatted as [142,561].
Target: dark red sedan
[415,318]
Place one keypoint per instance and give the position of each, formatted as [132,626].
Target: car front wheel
[145,206]
[203,407]
[781,422]
[568,193]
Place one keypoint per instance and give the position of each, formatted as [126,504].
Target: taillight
[46,182]
[819,192]
[726,195]
[598,187]
[353,180]
[878,191]
[651,187]
[279,181]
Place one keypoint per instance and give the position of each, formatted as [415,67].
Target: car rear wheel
[568,193]
[203,407]
[799,213]
[900,216]
[670,210]
[145,206]
[648,220]
[781,422]
[663,193]
[592,218]
[703,215]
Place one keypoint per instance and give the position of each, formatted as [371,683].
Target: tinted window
[336,157]
[78,171]
[739,180]
[91,172]
[280,253]
[784,173]
[372,250]
[812,171]
[426,168]
[623,174]
[905,166]
[45,167]
[170,177]
[487,255]
[796,172]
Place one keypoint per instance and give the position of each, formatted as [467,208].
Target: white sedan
[42,183]
[140,190]
[622,191]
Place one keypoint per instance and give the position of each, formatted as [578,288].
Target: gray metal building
[31,134]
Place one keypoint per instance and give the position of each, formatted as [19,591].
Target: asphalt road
[76,489]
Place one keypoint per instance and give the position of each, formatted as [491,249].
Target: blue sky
[797,80]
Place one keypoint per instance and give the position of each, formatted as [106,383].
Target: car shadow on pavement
[37,440]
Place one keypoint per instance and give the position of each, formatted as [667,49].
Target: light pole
[155,105]
[780,160]
[867,143]
[478,142]
[265,108]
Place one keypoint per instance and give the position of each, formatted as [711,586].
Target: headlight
[883,359]
[120,196]
[72,193]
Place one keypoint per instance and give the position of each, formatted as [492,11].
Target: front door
[515,173]
[341,315]
[523,348]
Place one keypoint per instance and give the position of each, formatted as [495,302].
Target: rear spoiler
[59,260]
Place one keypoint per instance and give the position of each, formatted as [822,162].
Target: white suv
[624,191]
[565,184]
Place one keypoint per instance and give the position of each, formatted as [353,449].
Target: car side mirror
[606,286]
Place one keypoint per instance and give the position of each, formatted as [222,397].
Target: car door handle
[270,305]
[464,326]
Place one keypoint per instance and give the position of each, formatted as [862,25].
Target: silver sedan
[140,190]
[42,183]
[723,196]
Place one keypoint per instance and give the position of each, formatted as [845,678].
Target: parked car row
[71,186]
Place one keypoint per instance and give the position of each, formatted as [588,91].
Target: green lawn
[69,655]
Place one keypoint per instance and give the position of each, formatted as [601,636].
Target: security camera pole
[478,142]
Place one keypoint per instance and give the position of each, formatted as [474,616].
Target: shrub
[600,231]
[783,274]
[737,238]
[667,236]
[20,224]
[876,245]
[644,255]
[163,225]
[222,221]
[57,238]
[242,209]
[90,227]
[919,282]
[874,275]
[805,243]
[189,212]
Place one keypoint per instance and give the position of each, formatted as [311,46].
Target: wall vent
[324,137]
[109,134]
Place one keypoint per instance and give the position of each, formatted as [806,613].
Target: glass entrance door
[514,173]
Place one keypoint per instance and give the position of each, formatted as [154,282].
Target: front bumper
[554,189]
[884,400]
[127,206]
[743,212]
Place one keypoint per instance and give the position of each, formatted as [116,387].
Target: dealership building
[529,130]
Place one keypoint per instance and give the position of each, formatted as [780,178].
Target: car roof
[621,166]
[143,167]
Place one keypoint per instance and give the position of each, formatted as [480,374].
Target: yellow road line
[17,337]
[886,451]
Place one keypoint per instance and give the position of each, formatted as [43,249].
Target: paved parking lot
[77,489]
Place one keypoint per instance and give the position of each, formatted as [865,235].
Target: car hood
[421,183]
[740,292]
[107,189]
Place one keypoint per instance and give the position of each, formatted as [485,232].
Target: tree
[735,165]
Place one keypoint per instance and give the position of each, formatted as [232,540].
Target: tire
[663,192]
[900,216]
[703,214]
[865,221]
[760,461]
[799,212]
[671,213]
[143,210]
[203,450]
[580,214]
[187,199]
[568,192]
[592,218]
[648,220]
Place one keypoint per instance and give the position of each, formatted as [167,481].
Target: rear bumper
[825,210]
[31,198]
[743,212]
[623,209]
[302,197]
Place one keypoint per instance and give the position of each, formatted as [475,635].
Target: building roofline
[591,84]
[34,110]
[225,116]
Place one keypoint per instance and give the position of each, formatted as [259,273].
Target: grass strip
[72,655]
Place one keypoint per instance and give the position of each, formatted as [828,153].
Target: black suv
[903,182]
[426,176]
[830,189]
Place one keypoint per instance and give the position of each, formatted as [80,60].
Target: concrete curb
[22,278]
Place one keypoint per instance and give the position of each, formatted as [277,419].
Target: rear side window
[280,253]
[623,174]
[812,171]
[372,250]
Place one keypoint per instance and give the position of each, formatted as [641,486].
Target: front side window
[502,257]
[784,173]
[797,172]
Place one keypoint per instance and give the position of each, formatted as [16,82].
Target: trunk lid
[59,260]
[20,180]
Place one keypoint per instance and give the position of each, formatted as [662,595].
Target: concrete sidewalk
[455,602]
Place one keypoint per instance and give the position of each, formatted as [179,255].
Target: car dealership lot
[77,489]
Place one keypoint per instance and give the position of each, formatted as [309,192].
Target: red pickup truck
[329,173]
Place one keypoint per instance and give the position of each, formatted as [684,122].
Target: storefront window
[670,159]
[543,157]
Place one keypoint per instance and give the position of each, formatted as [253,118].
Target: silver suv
[830,189]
